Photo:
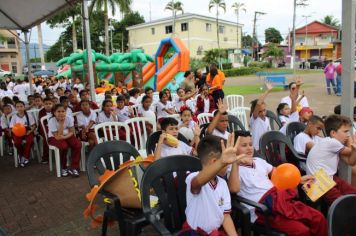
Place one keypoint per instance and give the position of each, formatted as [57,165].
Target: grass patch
[297,71]
[247,89]
[21,77]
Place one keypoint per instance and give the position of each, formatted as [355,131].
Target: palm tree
[174,7]
[238,6]
[330,20]
[217,4]
[123,5]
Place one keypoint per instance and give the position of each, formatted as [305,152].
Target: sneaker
[75,173]
[70,172]
[10,152]
[64,172]
[44,162]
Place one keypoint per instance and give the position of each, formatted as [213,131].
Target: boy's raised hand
[228,155]
[221,106]
[299,81]
[196,130]
[269,86]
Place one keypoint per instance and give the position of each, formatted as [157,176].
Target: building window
[13,55]
[153,31]
[169,29]
[14,67]
[2,44]
[221,29]
[200,51]
[184,27]
[11,43]
[208,27]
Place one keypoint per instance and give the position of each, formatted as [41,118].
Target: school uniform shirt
[5,124]
[62,85]
[178,103]
[123,114]
[10,86]
[23,120]
[80,87]
[181,149]
[254,182]
[303,103]
[133,100]
[69,111]
[84,120]
[224,135]
[294,117]
[206,209]
[6,93]
[145,113]
[258,128]
[324,154]
[20,89]
[54,87]
[53,125]
[160,112]
[39,89]
[300,141]
[102,117]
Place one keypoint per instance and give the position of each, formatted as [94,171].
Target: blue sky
[279,14]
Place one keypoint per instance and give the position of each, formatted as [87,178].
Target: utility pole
[306,37]
[174,19]
[254,35]
[150,12]
[40,44]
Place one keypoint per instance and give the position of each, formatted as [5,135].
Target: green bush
[196,64]
[241,71]
[260,64]
[227,66]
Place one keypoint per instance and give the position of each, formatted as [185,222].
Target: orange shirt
[217,81]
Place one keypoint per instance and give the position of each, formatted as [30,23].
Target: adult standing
[216,83]
[293,87]
[338,79]
[329,72]
[200,78]
[188,82]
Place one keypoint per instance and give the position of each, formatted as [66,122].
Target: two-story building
[198,32]
[315,39]
[10,55]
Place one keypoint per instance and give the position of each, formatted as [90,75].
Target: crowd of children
[230,160]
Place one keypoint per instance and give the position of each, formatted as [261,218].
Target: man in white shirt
[20,88]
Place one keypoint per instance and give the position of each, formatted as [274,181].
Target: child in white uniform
[187,124]
[220,123]
[86,120]
[123,112]
[164,107]
[107,113]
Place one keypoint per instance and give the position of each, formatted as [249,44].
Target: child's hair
[240,133]
[334,122]
[187,73]
[161,94]
[134,91]
[83,91]
[7,100]
[30,96]
[148,89]
[120,98]
[46,99]
[15,99]
[179,89]
[75,89]
[253,106]
[108,96]
[62,99]
[6,105]
[209,147]
[106,101]
[315,119]
[19,102]
[38,96]
[145,98]
[216,113]
[56,107]
[126,96]
[213,72]
[291,84]
[168,121]
[107,93]
[280,107]
[185,108]
[83,101]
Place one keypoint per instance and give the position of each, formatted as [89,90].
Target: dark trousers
[340,189]
[63,145]
[23,150]
[218,94]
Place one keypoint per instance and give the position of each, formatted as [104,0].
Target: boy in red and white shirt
[220,123]
[208,196]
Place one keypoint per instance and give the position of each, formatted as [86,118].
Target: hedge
[242,71]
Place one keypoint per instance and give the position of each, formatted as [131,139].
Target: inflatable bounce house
[133,69]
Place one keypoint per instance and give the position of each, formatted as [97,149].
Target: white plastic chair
[241,113]
[99,98]
[204,118]
[175,116]
[139,132]
[110,131]
[234,101]
[135,108]
[155,97]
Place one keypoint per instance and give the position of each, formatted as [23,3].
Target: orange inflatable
[19,130]
[286,176]
[100,90]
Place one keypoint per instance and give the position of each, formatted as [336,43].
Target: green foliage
[272,35]
[106,5]
[331,20]
[35,60]
[274,51]
[260,64]
[65,18]
[227,65]
[175,6]
[247,41]
[212,55]
[196,63]
[218,4]
[241,71]
[247,60]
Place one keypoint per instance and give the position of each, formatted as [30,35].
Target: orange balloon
[19,130]
[286,176]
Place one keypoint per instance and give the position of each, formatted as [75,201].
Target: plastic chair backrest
[204,118]
[138,127]
[43,125]
[342,216]
[293,129]
[241,113]
[273,119]
[34,113]
[234,101]
[175,116]
[111,131]
[235,124]
[203,129]
[166,177]
[153,140]
[108,156]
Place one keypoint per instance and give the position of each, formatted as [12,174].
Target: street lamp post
[306,37]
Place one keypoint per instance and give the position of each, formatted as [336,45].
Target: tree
[66,18]
[238,6]
[124,6]
[247,41]
[217,4]
[272,35]
[2,38]
[214,55]
[331,20]
[174,7]
[275,52]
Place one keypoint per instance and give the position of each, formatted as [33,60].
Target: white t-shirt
[5,124]
[63,85]
[10,86]
[20,89]
[123,114]
[53,125]
[84,120]
[181,149]
[178,103]
[254,182]
[206,209]
[302,103]
[39,89]
[103,118]
[69,112]
[224,135]
[206,105]
[133,100]
[80,87]
[301,140]
[4,93]
[294,117]
[325,154]
[258,128]
[142,112]
[160,112]
[23,120]
[54,87]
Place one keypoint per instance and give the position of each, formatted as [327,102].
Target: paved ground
[35,202]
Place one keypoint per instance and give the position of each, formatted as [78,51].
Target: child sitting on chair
[305,140]
[208,196]
[86,122]
[288,114]
[327,153]
[251,180]
[187,124]
[45,111]
[123,111]
[165,146]
[205,102]
[220,123]
[5,125]
[259,123]
[164,107]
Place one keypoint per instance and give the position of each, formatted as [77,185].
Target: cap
[304,110]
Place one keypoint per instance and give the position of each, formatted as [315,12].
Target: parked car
[4,73]
[316,63]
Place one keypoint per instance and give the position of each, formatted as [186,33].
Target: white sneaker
[75,173]
[64,172]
